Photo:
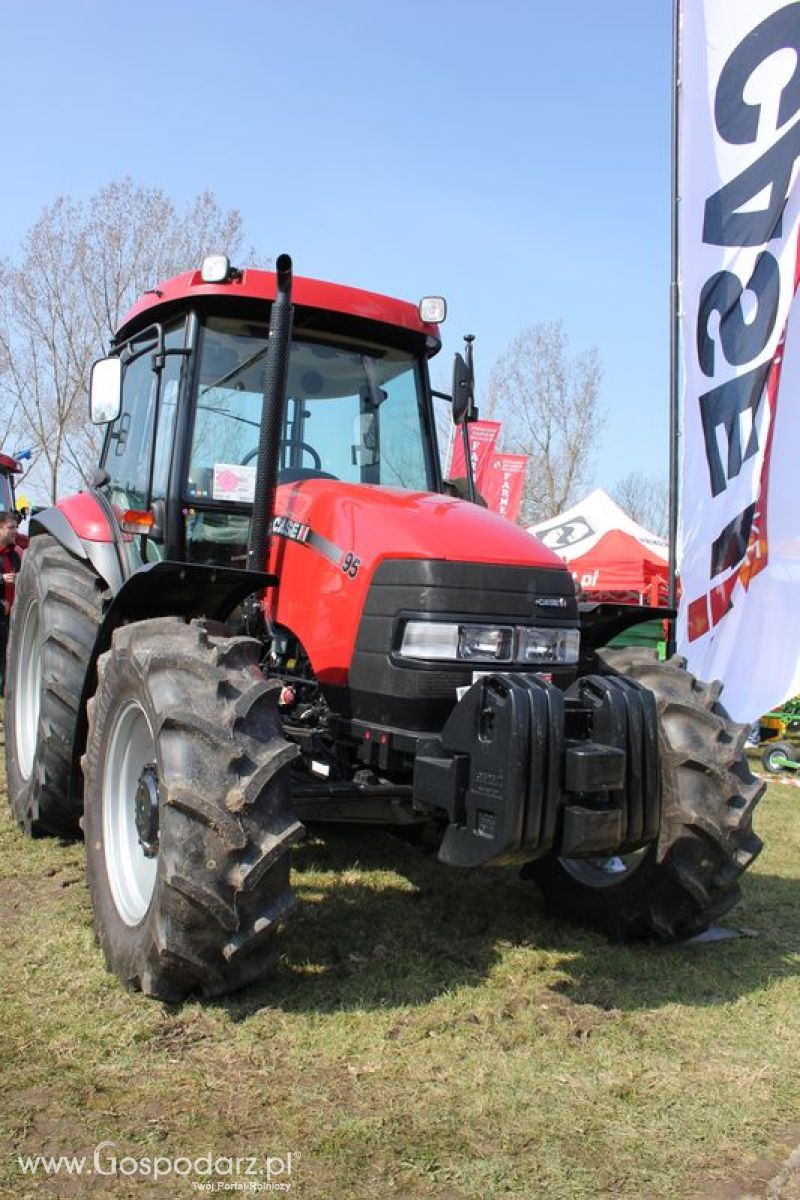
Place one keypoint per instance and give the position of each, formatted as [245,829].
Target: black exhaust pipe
[273,410]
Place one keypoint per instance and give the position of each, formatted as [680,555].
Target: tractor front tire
[689,878]
[187,819]
[55,617]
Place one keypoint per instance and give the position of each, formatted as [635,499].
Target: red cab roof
[252,284]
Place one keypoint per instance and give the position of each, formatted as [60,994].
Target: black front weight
[496,770]
[515,786]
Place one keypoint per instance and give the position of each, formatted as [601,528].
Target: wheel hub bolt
[147,810]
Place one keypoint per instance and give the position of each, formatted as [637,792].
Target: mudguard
[102,554]
[166,588]
[602,621]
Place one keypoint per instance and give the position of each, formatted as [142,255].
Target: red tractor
[9,467]
[270,608]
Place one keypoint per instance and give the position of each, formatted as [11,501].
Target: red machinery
[266,610]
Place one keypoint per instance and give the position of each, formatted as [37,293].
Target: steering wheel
[304,446]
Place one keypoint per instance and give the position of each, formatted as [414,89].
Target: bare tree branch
[549,407]
[82,266]
[645,499]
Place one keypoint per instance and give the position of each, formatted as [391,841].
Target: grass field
[428,1033]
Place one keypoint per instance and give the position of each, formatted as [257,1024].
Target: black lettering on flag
[724,225]
[723,406]
[742,341]
[731,545]
[736,120]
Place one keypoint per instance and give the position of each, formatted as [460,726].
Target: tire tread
[227,831]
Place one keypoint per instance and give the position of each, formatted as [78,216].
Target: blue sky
[511,156]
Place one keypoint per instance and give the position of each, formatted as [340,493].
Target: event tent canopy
[607,551]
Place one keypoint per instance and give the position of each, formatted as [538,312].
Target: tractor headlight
[539,644]
[481,643]
[454,642]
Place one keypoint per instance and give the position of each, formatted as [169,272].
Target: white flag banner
[739,157]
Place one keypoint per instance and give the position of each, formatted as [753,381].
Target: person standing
[9,566]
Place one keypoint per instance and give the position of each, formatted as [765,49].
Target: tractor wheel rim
[604,871]
[27,692]
[131,872]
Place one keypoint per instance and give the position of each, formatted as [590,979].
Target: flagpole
[674,419]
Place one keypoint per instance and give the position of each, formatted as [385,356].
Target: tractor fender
[83,541]
[166,589]
[602,621]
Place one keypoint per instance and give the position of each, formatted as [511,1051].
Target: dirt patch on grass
[770,1178]
[180,1033]
[27,893]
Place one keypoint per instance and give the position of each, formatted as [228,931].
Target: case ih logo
[567,534]
[737,413]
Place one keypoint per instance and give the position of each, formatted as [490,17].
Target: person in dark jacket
[9,566]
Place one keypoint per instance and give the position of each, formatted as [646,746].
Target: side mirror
[463,397]
[105,390]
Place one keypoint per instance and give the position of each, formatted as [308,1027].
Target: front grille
[420,697]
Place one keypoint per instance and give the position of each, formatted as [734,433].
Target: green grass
[428,1033]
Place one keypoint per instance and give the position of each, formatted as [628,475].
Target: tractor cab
[179,461]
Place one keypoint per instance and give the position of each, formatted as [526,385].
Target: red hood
[378,523]
[341,532]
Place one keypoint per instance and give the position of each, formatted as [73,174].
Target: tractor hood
[331,538]
[376,523]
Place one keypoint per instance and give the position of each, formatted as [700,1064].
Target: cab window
[353,413]
[129,444]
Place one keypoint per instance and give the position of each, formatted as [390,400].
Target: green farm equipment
[774,729]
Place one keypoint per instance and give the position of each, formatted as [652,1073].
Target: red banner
[503,483]
[482,440]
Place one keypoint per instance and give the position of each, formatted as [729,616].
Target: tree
[549,406]
[82,265]
[7,426]
[645,499]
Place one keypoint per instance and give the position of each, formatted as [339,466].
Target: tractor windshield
[354,413]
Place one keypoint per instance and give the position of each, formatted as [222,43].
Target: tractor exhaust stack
[273,410]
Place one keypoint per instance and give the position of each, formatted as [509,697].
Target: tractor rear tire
[55,617]
[187,819]
[689,878]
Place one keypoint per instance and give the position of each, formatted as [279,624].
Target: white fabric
[739,125]
[577,530]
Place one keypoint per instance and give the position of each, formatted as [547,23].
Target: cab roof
[182,291]
[9,465]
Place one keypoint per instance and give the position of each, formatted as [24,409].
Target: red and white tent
[610,555]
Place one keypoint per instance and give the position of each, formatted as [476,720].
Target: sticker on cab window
[232,481]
